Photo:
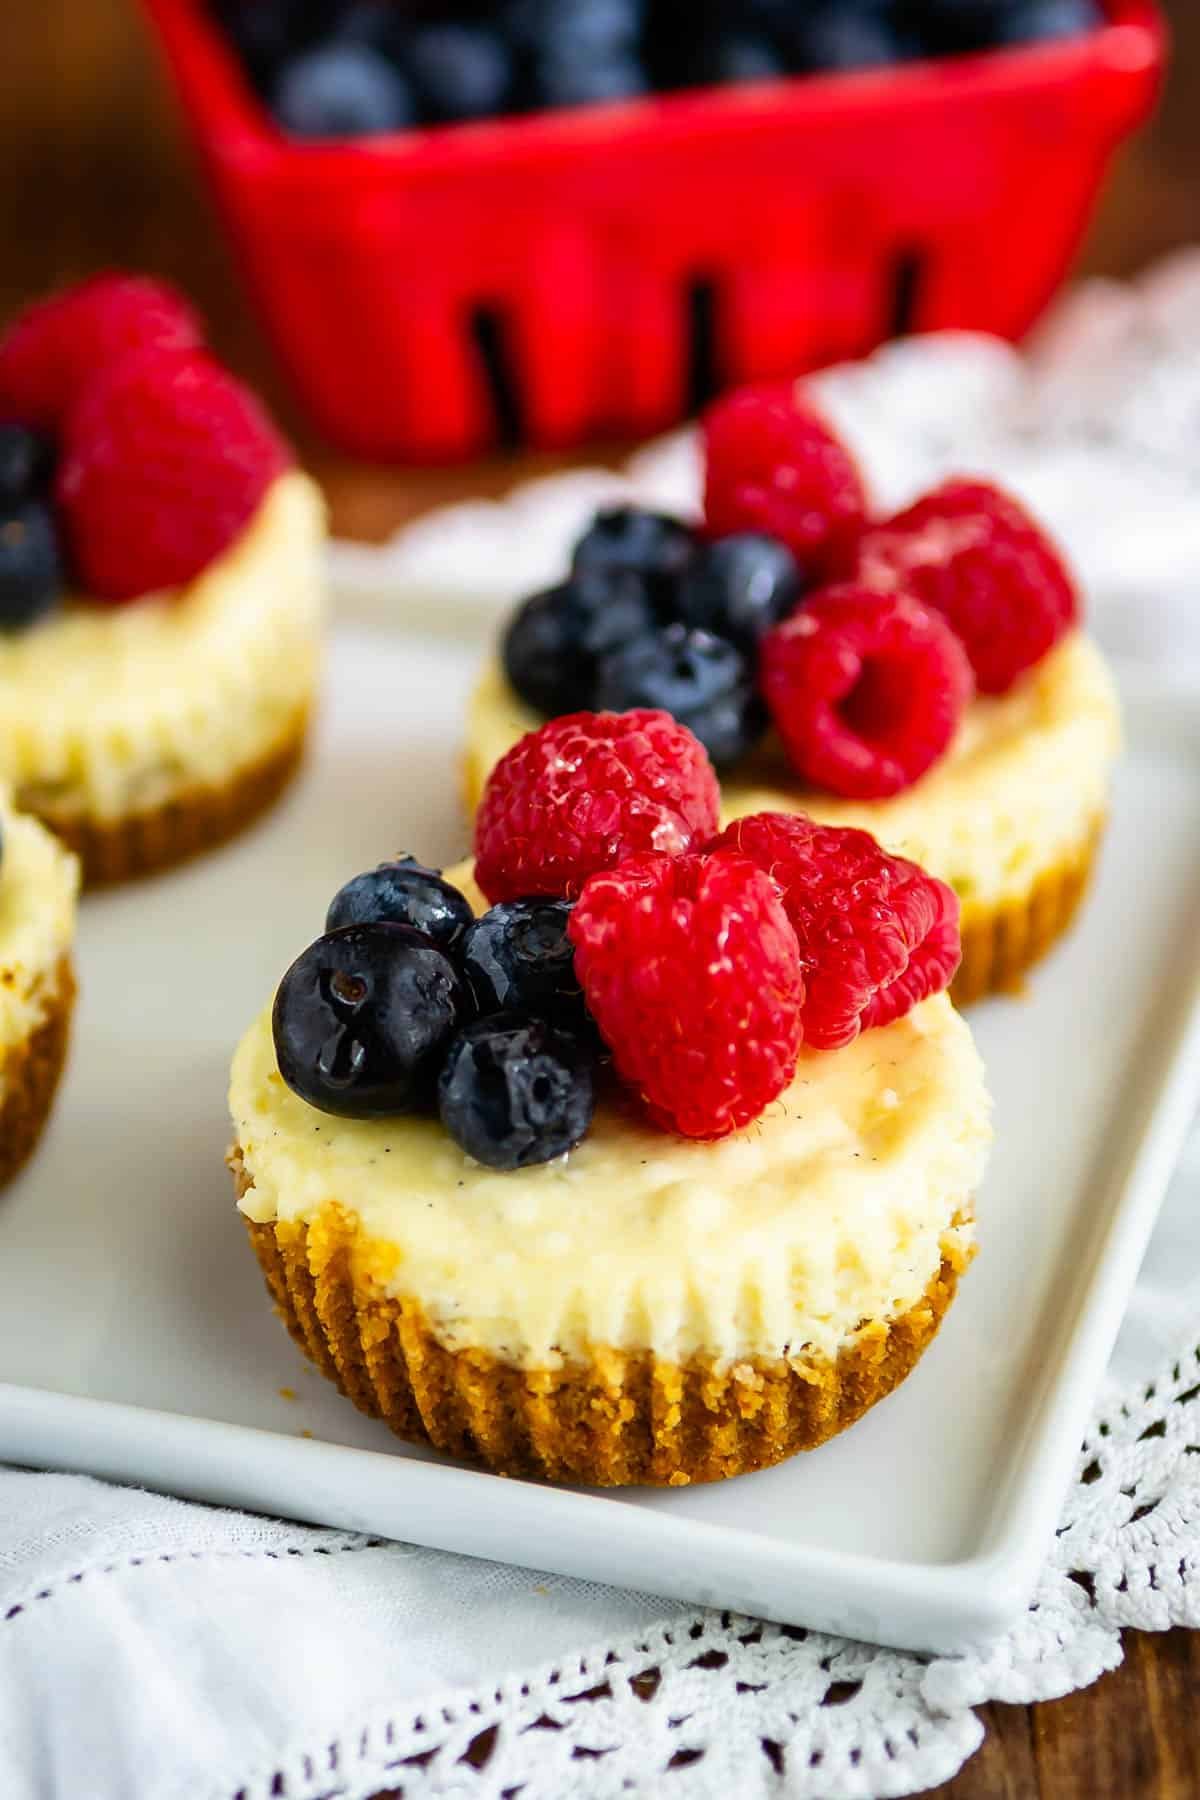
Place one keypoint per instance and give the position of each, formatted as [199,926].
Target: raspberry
[973,552]
[773,465]
[51,350]
[166,459]
[692,972]
[876,933]
[582,794]
[866,690]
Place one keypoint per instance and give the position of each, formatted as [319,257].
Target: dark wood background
[93,171]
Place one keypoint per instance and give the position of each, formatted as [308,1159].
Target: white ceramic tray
[136,1340]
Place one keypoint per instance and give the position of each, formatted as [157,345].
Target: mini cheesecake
[39,882]
[645,1308]
[1011,816]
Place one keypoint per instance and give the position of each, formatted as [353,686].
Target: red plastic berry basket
[554,277]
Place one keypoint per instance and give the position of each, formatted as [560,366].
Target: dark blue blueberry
[734,57]
[552,648]
[518,958]
[1046,21]
[403,892]
[26,463]
[837,38]
[739,587]
[31,570]
[459,71]
[363,1018]
[571,80]
[701,680]
[583,30]
[342,91]
[515,1092]
[629,540]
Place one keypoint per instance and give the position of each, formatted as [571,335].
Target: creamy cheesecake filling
[836,1207]
[39,883]
[1021,788]
[108,711]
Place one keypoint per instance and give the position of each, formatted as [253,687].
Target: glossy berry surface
[515,1092]
[518,958]
[53,349]
[971,552]
[363,1018]
[552,648]
[739,587]
[866,690]
[629,540]
[459,71]
[26,463]
[342,91]
[31,571]
[403,892]
[692,972]
[877,935]
[774,465]
[702,681]
[584,792]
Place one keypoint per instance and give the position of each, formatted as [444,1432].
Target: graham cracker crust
[31,1074]
[620,1419]
[1000,946]
[198,819]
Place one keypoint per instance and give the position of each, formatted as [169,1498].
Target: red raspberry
[973,552]
[772,464]
[692,973]
[866,689]
[583,793]
[166,458]
[876,933]
[51,351]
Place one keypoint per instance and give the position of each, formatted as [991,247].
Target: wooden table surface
[93,171]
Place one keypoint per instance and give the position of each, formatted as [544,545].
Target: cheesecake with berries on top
[636,1152]
[924,677]
[160,582]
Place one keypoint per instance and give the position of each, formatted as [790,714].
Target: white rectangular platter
[136,1340]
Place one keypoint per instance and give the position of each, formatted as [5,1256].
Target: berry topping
[31,573]
[974,554]
[701,680]
[342,91]
[363,1018]
[586,791]
[53,349]
[403,892]
[515,1092]
[773,465]
[866,690]
[628,540]
[739,587]
[166,459]
[26,463]
[518,958]
[552,647]
[459,71]
[876,933]
[692,973]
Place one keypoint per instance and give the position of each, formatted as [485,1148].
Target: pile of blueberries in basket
[353,68]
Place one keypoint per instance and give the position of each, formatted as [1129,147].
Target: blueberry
[836,38]
[459,71]
[739,587]
[31,570]
[342,91]
[266,33]
[631,540]
[700,679]
[403,892]
[518,958]
[26,463]
[731,58]
[362,1020]
[552,648]
[574,81]
[1046,21]
[515,1092]
[574,29]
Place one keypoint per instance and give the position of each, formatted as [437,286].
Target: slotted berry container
[550,278]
